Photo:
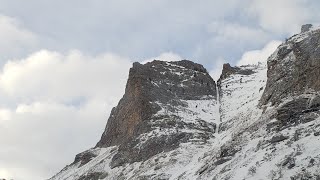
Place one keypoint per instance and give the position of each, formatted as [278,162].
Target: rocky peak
[150,88]
[228,70]
[156,81]
[294,68]
[306,27]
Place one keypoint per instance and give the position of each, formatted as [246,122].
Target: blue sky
[64,64]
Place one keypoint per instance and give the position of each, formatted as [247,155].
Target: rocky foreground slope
[174,122]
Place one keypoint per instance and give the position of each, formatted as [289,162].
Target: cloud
[256,56]
[249,57]
[42,137]
[285,16]
[5,114]
[166,56]
[217,70]
[14,38]
[228,31]
[56,105]
[228,40]
[48,75]
[143,29]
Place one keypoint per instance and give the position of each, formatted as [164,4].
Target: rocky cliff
[155,94]
[174,122]
[294,68]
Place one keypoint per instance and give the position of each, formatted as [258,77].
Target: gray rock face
[306,27]
[84,157]
[300,110]
[227,70]
[148,86]
[294,68]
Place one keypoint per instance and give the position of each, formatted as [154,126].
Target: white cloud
[43,137]
[5,173]
[56,106]
[14,38]
[166,56]
[281,16]
[249,57]
[217,70]
[5,114]
[233,31]
[256,56]
[51,76]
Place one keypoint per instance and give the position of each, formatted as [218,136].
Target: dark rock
[92,176]
[222,160]
[311,162]
[228,149]
[128,153]
[289,162]
[314,102]
[227,70]
[306,27]
[274,126]
[290,112]
[296,135]
[203,169]
[261,89]
[297,111]
[308,117]
[84,157]
[278,138]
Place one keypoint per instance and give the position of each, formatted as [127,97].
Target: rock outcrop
[305,28]
[148,87]
[228,70]
[294,68]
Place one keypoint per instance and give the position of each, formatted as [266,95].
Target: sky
[64,64]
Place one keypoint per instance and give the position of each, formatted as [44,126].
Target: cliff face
[294,68]
[149,88]
[259,122]
[228,70]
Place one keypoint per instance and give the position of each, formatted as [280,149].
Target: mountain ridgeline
[174,121]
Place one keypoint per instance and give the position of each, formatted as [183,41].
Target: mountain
[175,122]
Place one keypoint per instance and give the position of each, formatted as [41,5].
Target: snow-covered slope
[257,122]
[180,162]
[252,145]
